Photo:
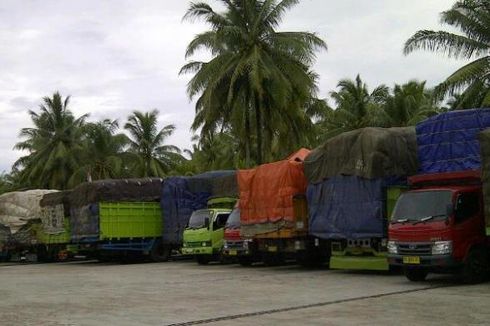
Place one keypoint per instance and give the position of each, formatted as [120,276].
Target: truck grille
[234,244]
[418,249]
[194,244]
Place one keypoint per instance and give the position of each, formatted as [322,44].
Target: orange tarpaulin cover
[266,192]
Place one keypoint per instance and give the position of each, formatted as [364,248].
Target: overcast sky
[116,56]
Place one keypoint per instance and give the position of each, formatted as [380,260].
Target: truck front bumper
[198,251]
[236,252]
[432,261]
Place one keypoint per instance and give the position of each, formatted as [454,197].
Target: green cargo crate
[130,220]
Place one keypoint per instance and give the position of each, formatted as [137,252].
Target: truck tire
[43,254]
[273,259]
[203,259]
[159,252]
[245,261]
[416,274]
[476,267]
[311,258]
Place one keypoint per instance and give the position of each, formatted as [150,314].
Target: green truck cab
[204,234]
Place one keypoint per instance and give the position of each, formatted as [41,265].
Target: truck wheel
[416,274]
[273,259]
[476,267]
[43,254]
[159,252]
[245,261]
[202,259]
[311,258]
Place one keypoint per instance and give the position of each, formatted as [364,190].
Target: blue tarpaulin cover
[183,195]
[348,207]
[449,141]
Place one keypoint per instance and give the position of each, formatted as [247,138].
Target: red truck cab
[235,246]
[439,226]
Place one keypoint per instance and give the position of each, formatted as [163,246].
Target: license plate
[272,248]
[411,260]
[232,252]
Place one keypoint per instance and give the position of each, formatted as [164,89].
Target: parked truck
[184,195]
[118,219]
[204,234]
[36,232]
[54,232]
[274,212]
[354,180]
[236,247]
[439,225]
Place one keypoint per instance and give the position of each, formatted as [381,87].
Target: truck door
[468,222]
[218,232]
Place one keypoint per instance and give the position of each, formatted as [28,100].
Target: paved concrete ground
[182,292]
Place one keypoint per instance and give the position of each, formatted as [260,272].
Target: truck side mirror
[206,222]
[449,210]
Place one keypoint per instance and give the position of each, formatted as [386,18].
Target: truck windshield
[234,219]
[197,219]
[422,205]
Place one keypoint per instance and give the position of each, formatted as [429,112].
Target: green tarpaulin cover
[367,152]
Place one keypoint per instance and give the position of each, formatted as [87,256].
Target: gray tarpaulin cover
[485,172]
[367,152]
[19,207]
[84,199]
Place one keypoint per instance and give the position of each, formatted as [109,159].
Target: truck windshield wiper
[400,220]
[430,217]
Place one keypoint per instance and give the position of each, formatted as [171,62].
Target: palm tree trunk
[258,122]
[248,132]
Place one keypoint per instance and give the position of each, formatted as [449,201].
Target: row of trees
[258,93]
[64,150]
[256,101]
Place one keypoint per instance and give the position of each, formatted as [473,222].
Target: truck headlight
[392,247]
[442,247]
[184,244]
[206,244]
[245,244]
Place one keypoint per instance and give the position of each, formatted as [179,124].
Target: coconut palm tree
[103,152]
[150,157]
[472,18]
[6,183]
[409,104]
[257,75]
[54,145]
[356,107]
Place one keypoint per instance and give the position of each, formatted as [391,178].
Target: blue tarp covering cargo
[348,177]
[348,207]
[183,195]
[449,141]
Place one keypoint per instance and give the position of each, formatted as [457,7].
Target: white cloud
[117,56]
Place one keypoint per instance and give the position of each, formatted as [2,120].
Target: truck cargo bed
[130,220]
